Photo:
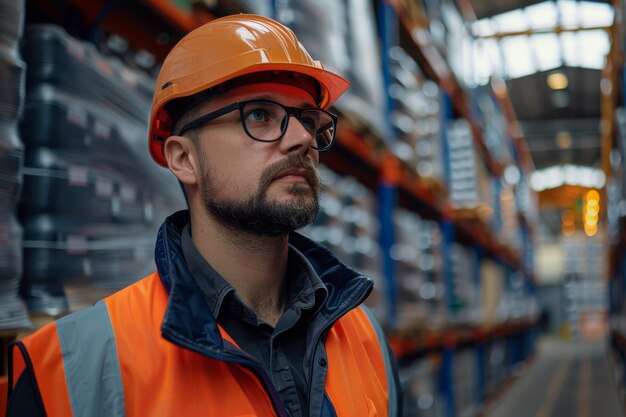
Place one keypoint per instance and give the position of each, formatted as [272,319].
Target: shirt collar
[214,287]
[306,290]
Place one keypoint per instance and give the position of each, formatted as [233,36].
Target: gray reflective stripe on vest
[92,368]
[392,390]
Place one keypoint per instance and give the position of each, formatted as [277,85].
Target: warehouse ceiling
[561,125]
[488,8]
[521,43]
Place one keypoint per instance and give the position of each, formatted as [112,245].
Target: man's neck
[254,265]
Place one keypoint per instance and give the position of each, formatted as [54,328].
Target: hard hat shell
[223,50]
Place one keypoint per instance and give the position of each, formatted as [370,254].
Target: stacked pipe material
[93,198]
[463,304]
[416,116]
[341,34]
[417,271]
[13,313]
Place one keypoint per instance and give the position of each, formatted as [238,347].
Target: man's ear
[181,157]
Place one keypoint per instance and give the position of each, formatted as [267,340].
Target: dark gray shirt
[279,349]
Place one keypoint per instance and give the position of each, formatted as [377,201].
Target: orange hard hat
[224,50]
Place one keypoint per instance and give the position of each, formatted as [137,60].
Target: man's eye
[308,123]
[257,116]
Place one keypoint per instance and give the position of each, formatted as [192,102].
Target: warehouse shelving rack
[613,135]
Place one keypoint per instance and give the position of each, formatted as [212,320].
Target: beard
[259,216]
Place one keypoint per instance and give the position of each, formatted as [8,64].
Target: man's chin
[295,193]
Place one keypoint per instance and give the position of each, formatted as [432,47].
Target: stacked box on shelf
[521,303]
[342,35]
[616,184]
[505,295]
[13,313]
[416,116]
[463,306]
[92,199]
[509,233]
[492,289]
[584,259]
[527,205]
[495,134]
[526,200]
[419,287]
[347,225]
[585,288]
[420,387]
[494,125]
[469,184]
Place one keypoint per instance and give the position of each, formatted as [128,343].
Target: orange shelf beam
[421,340]
[173,14]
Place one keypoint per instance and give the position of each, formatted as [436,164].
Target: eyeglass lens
[267,121]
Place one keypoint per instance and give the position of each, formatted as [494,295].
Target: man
[244,317]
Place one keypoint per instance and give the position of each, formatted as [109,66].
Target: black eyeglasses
[267,121]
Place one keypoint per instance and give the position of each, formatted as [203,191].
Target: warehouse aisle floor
[566,379]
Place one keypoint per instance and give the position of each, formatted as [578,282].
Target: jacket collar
[188,320]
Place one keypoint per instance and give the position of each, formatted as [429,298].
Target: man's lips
[296,173]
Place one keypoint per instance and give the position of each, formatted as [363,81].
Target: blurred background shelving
[477,177]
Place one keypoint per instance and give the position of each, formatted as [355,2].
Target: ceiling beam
[575,127]
[529,32]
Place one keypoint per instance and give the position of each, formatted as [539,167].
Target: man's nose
[297,137]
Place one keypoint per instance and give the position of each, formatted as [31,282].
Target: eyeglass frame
[239,105]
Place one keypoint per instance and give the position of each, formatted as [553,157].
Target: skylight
[525,39]
[557,176]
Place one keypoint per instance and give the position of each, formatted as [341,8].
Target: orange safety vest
[111,359]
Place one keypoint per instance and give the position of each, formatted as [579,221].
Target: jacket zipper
[319,334]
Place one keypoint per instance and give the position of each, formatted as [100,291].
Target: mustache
[295,161]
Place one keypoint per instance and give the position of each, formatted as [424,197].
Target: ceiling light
[563,140]
[557,81]
[556,176]
[512,175]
